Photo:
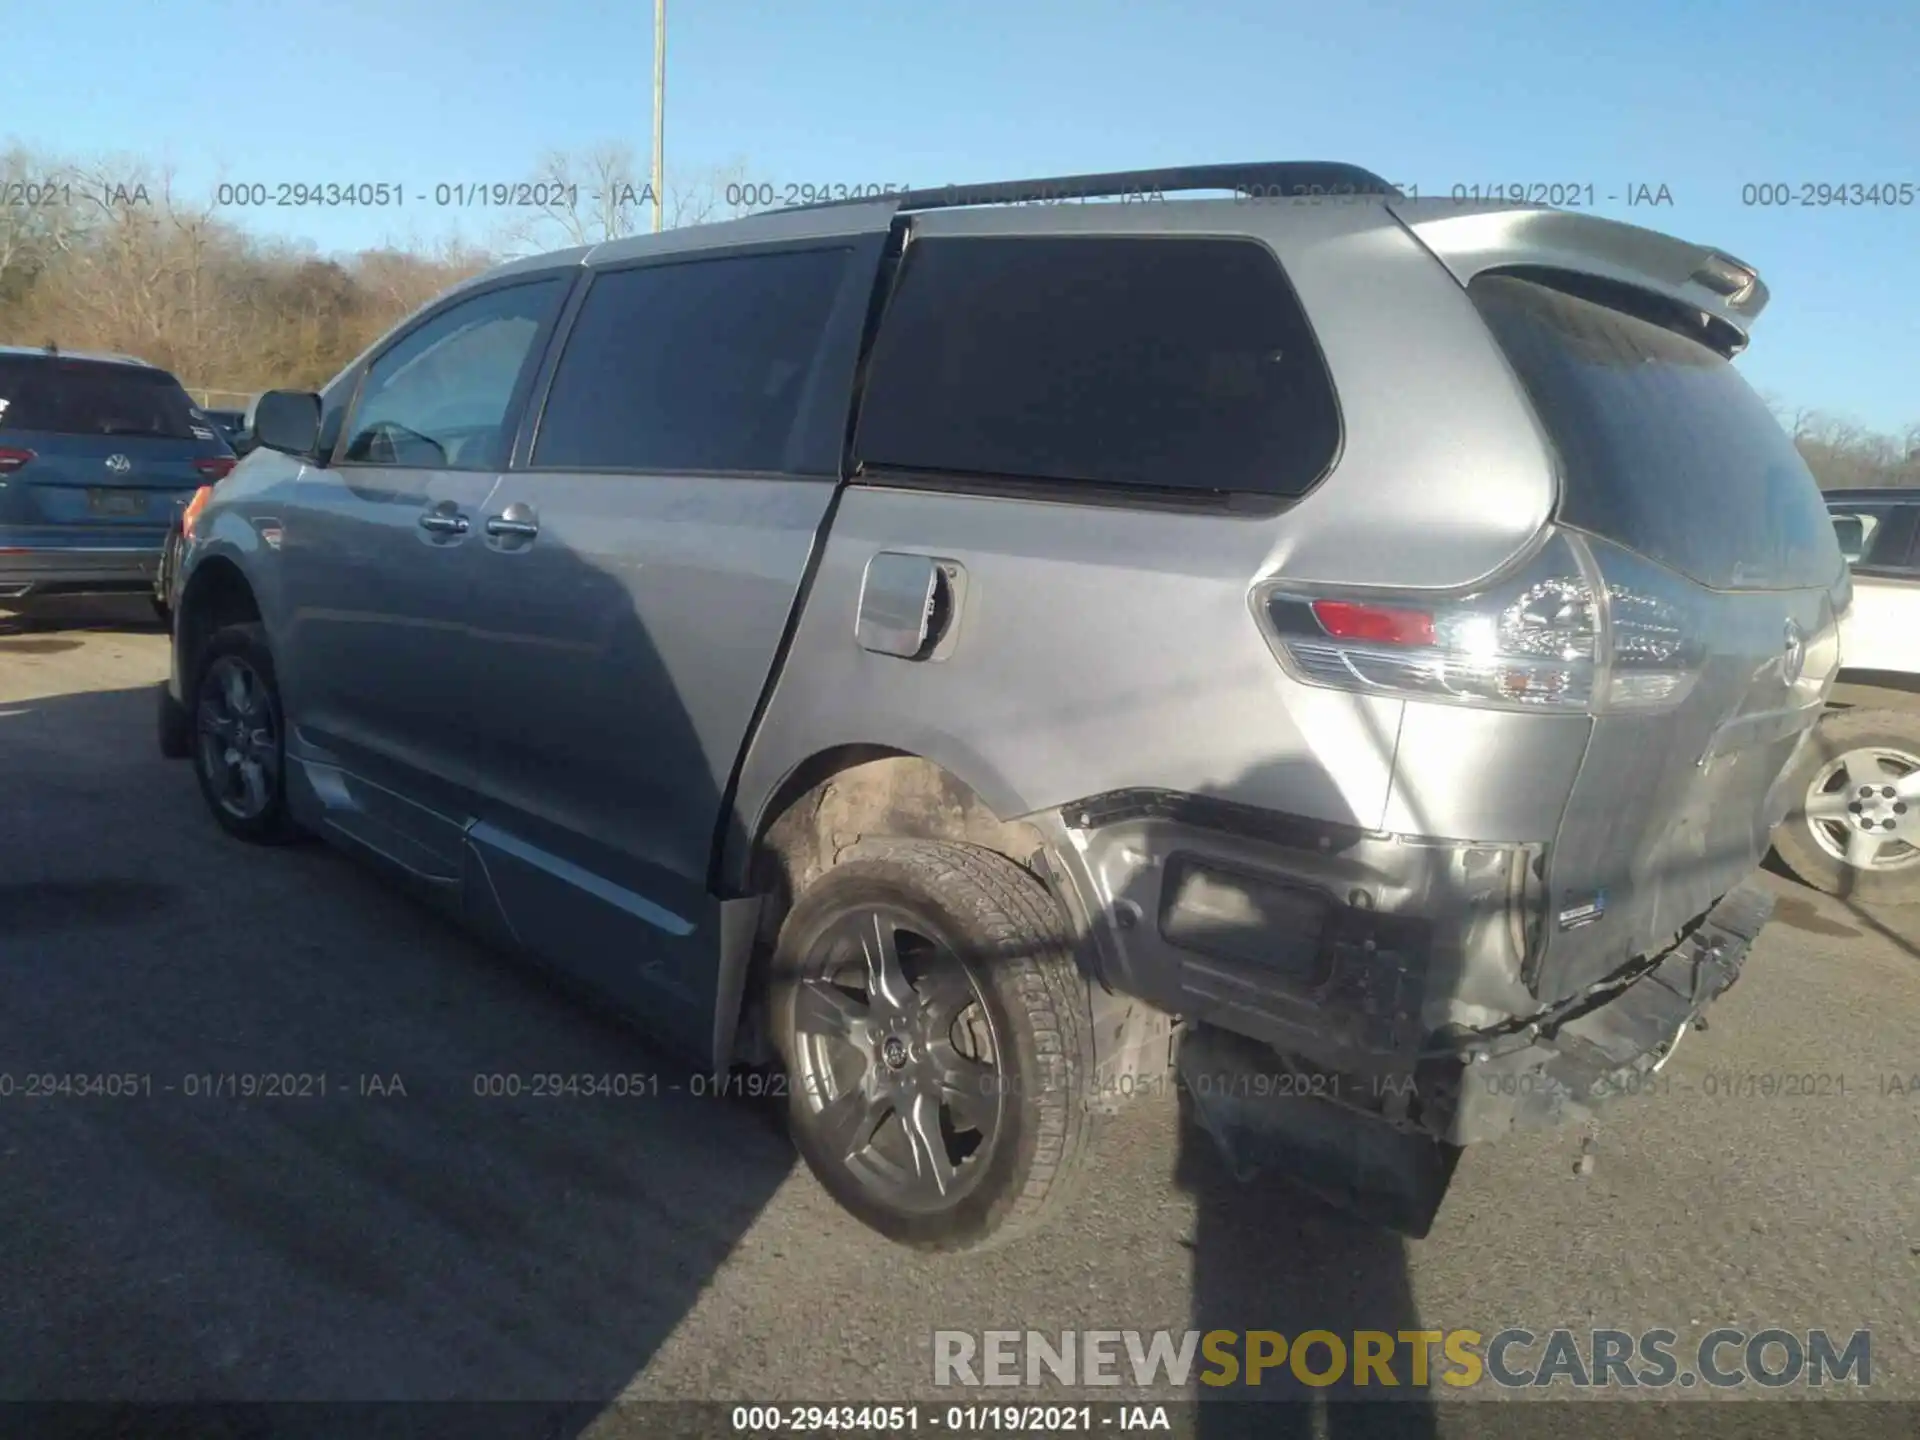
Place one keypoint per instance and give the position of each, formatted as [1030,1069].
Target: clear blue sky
[1700,96]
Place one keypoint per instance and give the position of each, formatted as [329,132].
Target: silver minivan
[977,660]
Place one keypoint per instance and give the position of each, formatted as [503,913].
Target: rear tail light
[194,506]
[1582,626]
[11,460]
[215,467]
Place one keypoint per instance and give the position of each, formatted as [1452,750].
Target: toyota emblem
[1795,659]
[119,464]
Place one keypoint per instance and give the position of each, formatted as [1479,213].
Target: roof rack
[1275,179]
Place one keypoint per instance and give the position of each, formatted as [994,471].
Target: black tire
[970,907]
[1840,734]
[174,726]
[244,646]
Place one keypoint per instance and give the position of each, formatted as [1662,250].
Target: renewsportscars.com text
[1509,1359]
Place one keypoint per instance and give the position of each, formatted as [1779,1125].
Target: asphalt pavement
[405,1235]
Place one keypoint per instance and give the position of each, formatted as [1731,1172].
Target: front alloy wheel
[239,741]
[238,737]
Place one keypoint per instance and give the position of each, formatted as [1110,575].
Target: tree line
[117,256]
[99,255]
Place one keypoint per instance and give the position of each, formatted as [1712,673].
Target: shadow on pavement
[53,614]
[261,1159]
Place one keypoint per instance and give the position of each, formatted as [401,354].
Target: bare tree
[604,193]
[123,260]
[40,217]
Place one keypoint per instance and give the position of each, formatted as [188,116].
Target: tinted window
[1663,445]
[1183,364]
[87,397]
[441,397]
[1875,536]
[694,366]
[1858,529]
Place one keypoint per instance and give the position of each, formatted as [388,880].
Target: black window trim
[1262,504]
[844,320]
[523,386]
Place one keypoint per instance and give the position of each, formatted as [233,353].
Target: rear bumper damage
[1608,1047]
[1357,1007]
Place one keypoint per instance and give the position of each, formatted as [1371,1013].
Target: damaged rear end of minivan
[1590,739]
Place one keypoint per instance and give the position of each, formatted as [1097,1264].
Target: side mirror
[287,421]
[1851,532]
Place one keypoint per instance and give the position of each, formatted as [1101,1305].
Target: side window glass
[441,398]
[1899,542]
[1855,531]
[333,412]
[695,365]
[1174,364]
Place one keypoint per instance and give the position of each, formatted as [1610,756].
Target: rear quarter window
[88,397]
[1171,364]
[1663,446]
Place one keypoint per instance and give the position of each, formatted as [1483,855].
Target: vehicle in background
[232,425]
[166,575]
[928,644]
[95,452]
[1855,826]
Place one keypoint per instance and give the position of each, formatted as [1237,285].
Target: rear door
[1723,576]
[112,447]
[634,584]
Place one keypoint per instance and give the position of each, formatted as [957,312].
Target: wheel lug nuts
[1854,807]
[1899,807]
[1866,791]
[1887,790]
[1888,824]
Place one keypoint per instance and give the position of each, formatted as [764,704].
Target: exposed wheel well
[829,803]
[216,596]
[833,799]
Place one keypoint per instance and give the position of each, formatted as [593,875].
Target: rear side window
[1170,363]
[88,397]
[1876,537]
[1663,445]
[697,365]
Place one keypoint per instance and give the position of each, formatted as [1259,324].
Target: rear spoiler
[1472,238]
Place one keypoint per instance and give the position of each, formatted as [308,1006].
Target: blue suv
[96,454]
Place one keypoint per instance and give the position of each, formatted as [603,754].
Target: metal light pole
[659,109]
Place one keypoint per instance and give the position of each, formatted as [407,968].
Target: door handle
[517,520]
[441,523]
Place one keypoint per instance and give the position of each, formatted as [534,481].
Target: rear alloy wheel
[937,1042]
[1855,829]
[239,748]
